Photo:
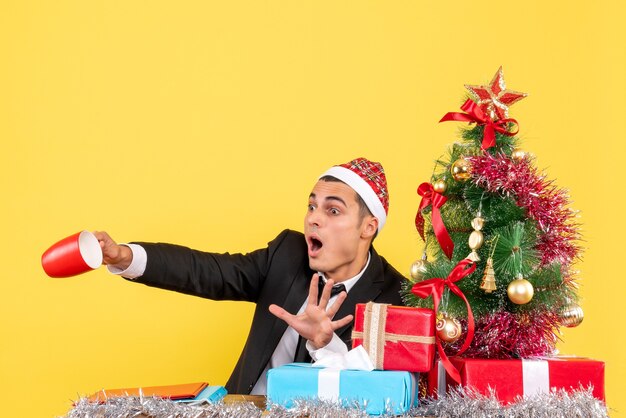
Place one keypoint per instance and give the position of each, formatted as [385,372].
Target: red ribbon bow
[431,197]
[474,114]
[436,287]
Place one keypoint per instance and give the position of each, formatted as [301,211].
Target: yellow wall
[206,123]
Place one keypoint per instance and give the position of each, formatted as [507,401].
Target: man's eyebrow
[337,198]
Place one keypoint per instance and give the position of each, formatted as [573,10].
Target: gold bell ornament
[419,267]
[461,169]
[448,329]
[489,276]
[572,315]
[520,291]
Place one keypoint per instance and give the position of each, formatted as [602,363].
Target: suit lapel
[295,297]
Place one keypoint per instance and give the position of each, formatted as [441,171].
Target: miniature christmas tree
[494,220]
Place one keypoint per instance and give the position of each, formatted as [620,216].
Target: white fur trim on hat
[363,189]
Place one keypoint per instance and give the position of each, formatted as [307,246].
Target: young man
[347,208]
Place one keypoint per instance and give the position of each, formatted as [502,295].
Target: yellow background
[206,124]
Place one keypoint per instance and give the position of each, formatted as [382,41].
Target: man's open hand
[316,323]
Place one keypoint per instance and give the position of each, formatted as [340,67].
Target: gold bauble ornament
[418,268]
[440,186]
[572,315]
[520,291]
[448,329]
[518,154]
[461,169]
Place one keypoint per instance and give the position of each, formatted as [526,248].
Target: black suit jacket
[278,274]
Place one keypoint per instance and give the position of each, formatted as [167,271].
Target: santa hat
[367,178]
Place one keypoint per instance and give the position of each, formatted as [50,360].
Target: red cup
[76,254]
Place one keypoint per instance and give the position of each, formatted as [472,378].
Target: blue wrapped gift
[377,391]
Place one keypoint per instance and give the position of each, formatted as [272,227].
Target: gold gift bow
[374,335]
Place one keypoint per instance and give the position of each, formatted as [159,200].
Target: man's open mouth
[315,244]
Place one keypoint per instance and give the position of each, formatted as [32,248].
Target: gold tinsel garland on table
[458,403]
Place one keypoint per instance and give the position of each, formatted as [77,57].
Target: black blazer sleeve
[209,275]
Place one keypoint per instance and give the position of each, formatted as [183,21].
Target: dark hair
[363,209]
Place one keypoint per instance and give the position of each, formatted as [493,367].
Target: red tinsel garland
[545,203]
[505,335]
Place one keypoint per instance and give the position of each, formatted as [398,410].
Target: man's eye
[311,207]
[334,211]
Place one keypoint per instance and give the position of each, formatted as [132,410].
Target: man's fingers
[110,252]
[326,294]
[281,313]
[330,312]
[341,322]
[313,290]
[103,237]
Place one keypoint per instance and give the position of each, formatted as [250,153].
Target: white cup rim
[90,249]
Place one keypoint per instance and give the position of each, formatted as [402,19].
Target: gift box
[396,337]
[184,393]
[173,392]
[378,392]
[512,378]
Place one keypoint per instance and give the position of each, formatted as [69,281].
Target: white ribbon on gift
[536,374]
[328,385]
[441,380]
[333,364]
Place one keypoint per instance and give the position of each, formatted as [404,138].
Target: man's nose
[314,218]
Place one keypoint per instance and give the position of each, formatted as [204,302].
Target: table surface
[257,400]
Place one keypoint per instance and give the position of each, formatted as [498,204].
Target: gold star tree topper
[494,97]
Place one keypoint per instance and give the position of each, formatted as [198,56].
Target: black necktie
[335,290]
[302,354]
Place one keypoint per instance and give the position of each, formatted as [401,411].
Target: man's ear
[370,227]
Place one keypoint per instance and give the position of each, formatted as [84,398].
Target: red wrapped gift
[512,378]
[395,337]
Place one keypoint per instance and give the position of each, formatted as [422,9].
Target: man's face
[337,240]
